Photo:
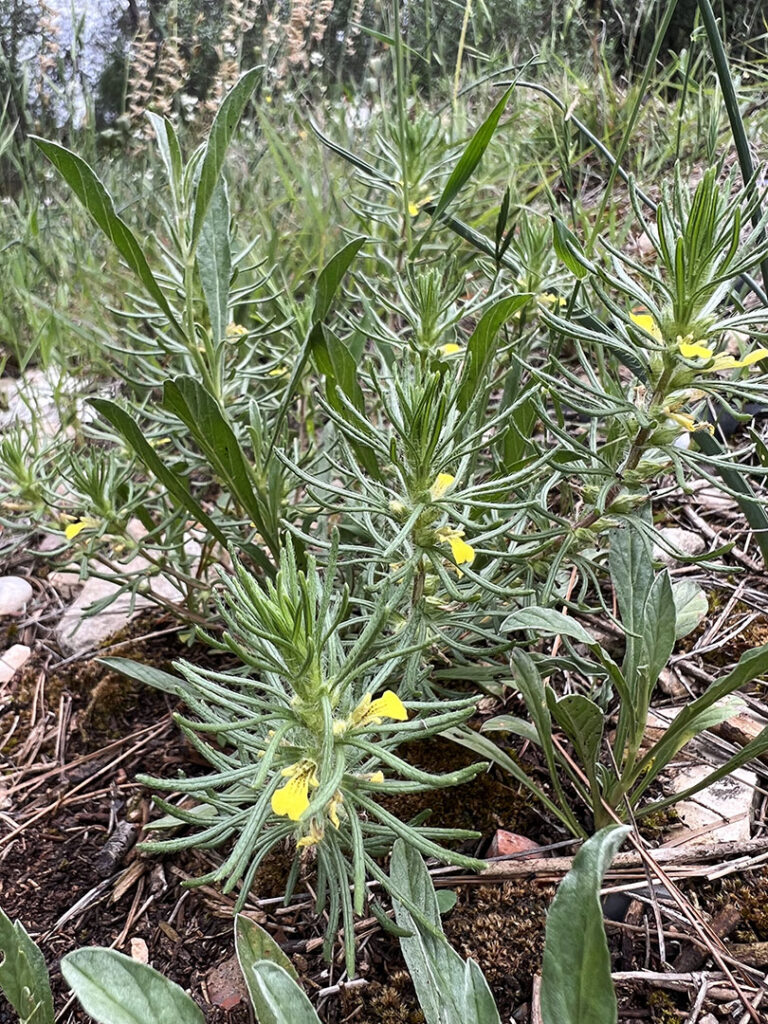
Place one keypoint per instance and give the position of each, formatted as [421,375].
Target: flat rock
[226,985]
[15,592]
[685,541]
[724,808]
[12,660]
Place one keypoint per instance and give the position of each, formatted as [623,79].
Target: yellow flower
[647,323]
[333,808]
[377,777]
[236,330]
[692,349]
[371,712]
[292,799]
[71,530]
[688,423]
[463,553]
[313,837]
[449,349]
[443,483]
[278,371]
[550,299]
[725,362]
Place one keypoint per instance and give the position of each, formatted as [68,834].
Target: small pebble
[15,592]
[12,661]
[686,541]
[505,843]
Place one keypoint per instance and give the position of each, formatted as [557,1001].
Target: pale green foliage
[576,986]
[654,614]
[23,974]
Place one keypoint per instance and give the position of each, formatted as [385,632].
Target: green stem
[402,123]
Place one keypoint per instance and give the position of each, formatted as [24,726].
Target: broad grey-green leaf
[437,970]
[148,674]
[691,606]
[331,275]
[131,432]
[547,621]
[576,986]
[170,151]
[583,723]
[114,989]
[214,261]
[223,128]
[188,399]
[482,345]
[277,999]
[479,1006]
[631,567]
[86,185]
[23,974]
[570,250]
[252,945]
[659,618]
[446,900]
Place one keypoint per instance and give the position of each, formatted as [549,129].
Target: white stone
[12,661]
[686,541]
[15,592]
[77,632]
[724,809]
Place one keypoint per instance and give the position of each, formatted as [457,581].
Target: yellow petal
[72,529]
[292,799]
[377,777]
[647,323]
[463,553]
[314,836]
[724,362]
[388,705]
[693,349]
[236,330]
[449,349]
[413,209]
[443,482]
[550,299]
[371,712]
[333,808]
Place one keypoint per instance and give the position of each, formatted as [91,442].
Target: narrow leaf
[223,128]
[331,275]
[481,346]
[89,190]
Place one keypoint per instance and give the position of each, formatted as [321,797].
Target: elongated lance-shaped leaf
[84,182]
[689,721]
[466,164]
[576,986]
[328,281]
[214,261]
[731,101]
[482,346]
[131,432]
[223,128]
[23,974]
[277,998]
[170,151]
[254,945]
[449,991]
[186,398]
[114,989]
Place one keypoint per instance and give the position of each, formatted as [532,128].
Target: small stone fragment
[685,541]
[15,592]
[226,985]
[725,807]
[505,844]
[12,660]
[139,951]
